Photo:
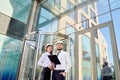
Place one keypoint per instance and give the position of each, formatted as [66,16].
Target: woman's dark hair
[47,47]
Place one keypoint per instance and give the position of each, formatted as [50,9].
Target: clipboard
[54,59]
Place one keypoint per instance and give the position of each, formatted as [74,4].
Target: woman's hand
[51,66]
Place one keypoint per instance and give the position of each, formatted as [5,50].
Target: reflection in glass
[85,23]
[51,2]
[69,5]
[98,62]
[45,13]
[104,18]
[102,6]
[47,21]
[57,3]
[86,58]
[54,25]
[106,49]
[72,41]
[69,29]
[114,4]
[10,53]
[93,5]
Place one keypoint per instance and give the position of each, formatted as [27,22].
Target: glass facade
[88,21]
[74,18]
[13,16]
[10,53]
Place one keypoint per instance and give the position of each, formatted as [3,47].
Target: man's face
[59,46]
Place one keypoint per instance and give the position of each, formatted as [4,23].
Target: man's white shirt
[65,61]
[44,60]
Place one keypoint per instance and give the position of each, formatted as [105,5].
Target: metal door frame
[108,24]
[38,45]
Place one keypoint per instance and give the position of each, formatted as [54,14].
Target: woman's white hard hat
[48,45]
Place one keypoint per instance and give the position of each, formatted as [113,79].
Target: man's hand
[64,74]
[51,66]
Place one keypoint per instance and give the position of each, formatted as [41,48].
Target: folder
[54,59]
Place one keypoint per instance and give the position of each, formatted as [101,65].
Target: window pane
[98,62]
[114,4]
[106,53]
[57,3]
[47,21]
[86,58]
[54,25]
[104,18]
[69,29]
[10,54]
[72,41]
[102,6]
[18,9]
[13,28]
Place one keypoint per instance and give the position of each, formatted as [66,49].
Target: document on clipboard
[54,59]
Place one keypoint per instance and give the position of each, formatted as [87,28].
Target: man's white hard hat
[59,42]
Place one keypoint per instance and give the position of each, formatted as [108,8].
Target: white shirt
[65,61]
[44,60]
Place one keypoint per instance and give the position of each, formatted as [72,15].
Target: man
[60,71]
[107,72]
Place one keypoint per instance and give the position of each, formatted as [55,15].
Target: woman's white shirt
[44,61]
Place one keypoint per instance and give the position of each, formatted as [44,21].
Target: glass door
[34,47]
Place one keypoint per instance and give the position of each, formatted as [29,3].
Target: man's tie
[58,53]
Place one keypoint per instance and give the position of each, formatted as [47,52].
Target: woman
[46,63]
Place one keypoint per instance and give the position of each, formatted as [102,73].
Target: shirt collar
[47,53]
[59,51]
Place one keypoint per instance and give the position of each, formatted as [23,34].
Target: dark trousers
[57,76]
[107,78]
[45,75]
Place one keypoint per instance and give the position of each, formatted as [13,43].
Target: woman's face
[49,49]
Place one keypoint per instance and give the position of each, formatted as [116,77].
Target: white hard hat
[59,42]
[48,45]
